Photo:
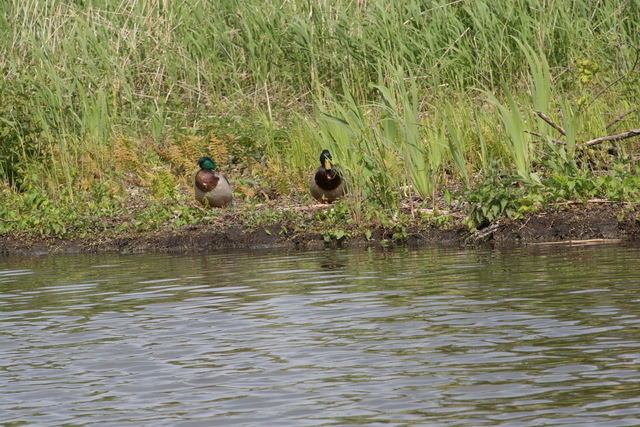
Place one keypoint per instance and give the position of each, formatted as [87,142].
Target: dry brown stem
[557,141]
[551,122]
[620,117]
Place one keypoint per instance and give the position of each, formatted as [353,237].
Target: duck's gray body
[212,185]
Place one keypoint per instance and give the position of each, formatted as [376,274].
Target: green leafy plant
[497,195]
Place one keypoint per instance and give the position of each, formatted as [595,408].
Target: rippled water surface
[438,337]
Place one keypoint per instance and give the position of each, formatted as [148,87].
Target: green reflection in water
[443,335]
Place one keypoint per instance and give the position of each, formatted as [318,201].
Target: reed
[389,86]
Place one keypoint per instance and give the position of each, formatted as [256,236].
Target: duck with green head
[326,183]
[211,185]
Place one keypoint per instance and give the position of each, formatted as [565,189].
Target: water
[432,337]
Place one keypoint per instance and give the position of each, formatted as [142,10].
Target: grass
[416,101]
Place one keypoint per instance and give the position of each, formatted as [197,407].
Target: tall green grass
[391,87]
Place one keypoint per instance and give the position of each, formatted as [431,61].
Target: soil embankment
[591,222]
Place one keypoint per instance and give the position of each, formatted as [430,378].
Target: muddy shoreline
[595,223]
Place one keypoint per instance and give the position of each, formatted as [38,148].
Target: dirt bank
[564,223]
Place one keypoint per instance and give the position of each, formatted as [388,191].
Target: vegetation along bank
[452,122]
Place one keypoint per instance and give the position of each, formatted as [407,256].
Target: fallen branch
[618,137]
[579,242]
[579,202]
[484,234]
[551,122]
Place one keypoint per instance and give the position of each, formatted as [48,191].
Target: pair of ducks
[210,184]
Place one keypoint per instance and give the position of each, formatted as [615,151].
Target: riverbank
[574,223]
[461,109]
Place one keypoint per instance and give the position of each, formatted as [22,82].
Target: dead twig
[551,122]
[620,117]
[597,95]
[557,141]
[618,137]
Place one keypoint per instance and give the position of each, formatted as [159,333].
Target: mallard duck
[211,185]
[326,183]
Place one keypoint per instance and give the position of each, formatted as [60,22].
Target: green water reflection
[442,336]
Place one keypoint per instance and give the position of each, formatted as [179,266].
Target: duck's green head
[206,163]
[325,159]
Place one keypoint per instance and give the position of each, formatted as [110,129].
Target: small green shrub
[493,198]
